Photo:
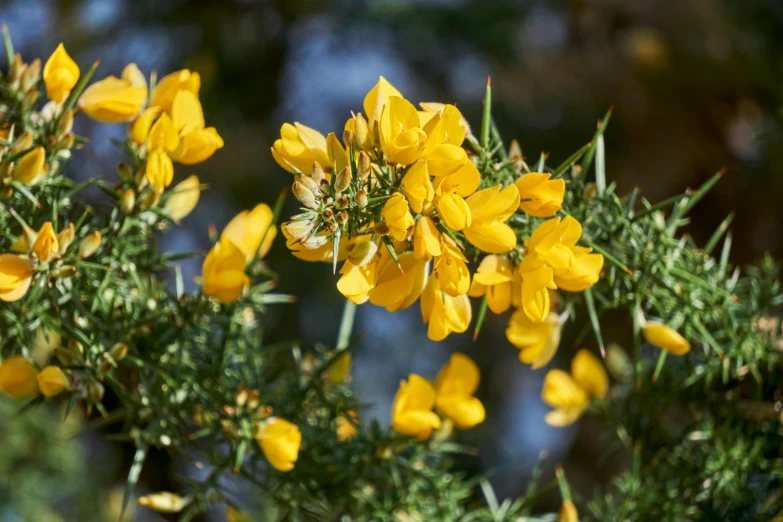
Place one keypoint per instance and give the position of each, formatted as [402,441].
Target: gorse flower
[19,378]
[183,198]
[114,100]
[46,244]
[60,75]
[443,313]
[252,231]
[493,280]
[412,408]
[280,441]
[537,342]
[455,386]
[164,502]
[539,195]
[223,273]
[32,167]
[16,274]
[570,394]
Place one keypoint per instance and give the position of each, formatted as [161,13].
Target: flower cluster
[406,207]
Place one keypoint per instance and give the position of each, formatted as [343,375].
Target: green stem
[346,326]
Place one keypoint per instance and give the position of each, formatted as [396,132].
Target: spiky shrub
[86,317]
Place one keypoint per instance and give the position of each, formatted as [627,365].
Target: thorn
[733,214]
[721,172]
[654,379]
[629,271]
[475,335]
[603,351]
[96,63]
[489,82]
[611,109]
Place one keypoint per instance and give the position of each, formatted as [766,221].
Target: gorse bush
[406,204]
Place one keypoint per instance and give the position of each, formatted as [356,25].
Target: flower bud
[23,142]
[31,75]
[348,138]
[361,198]
[314,242]
[16,68]
[332,226]
[128,200]
[95,391]
[52,381]
[618,363]
[163,502]
[66,271]
[125,172]
[341,201]
[343,180]
[18,377]
[66,123]
[318,174]
[149,200]
[363,165]
[342,218]
[381,228]
[304,195]
[119,351]
[298,229]
[46,244]
[363,253]
[66,236]
[666,338]
[327,214]
[66,141]
[29,99]
[311,184]
[90,244]
[590,191]
[32,167]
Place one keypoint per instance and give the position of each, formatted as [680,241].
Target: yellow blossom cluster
[452,396]
[408,206]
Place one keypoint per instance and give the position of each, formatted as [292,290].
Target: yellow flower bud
[363,253]
[233,515]
[252,231]
[132,74]
[113,100]
[357,282]
[363,166]
[183,198]
[168,87]
[18,377]
[127,200]
[562,393]
[223,272]
[164,502]
[568,512]
[412,408]
[361,198]
[280,441]
[66,123]
[32,167]
[317,174]
[346,426]
[16,274]
[31,75]
[46,244]
[666,338]
[455,386]
[90,244]
[60,75]
[397,217]
[52,381]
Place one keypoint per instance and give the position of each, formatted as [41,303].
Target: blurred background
[694,84]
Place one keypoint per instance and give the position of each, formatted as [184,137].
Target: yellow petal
[396,288]
[160,169]
[666,338]
[493,237]
[494,204]
[184,197]
[163,502]
[163,135]
[417,186]
[16,274]
[338,156]
[132,74]
[537,342]
[412,408]
[445,127]
[168,87]
[561,391]
[112,100]
[540,196]
[31,167]
[52,381]
[18,377]
[589,374]
[140,128]
[535,295]
[197,146]
[426,239]
[186,113]
[454,211]
[458,377]
[280,441]
[564,416]
[375,100]
[223,273]
[46,244]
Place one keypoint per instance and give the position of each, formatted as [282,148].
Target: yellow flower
[537,280]
[299,146]
[396,215]
[453,210]
[66,237]
[568,512]
[570,394]
[401,137]
[396,288]
[455,386]
[323,252]
[584,271]
[252,231]
[164,502]
[32,167]
[490,208]
[140,128]
[18,377]
[357,282]
[452,183]
[446,126]
[493,279]
[540,196]
[452,270]
[224,275]
[444,313]
[346,426]
[412,408]
[666,338]
[233,515]
[52,381]
[426,239]
[537,342]
[16,274]
[340,369]
[168,87]
[46,244]
[160,169]
[376,99]
[114,100]
[417,186]
[60,75]
[196,143]
[280,441]
[446,159]
[183,198]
